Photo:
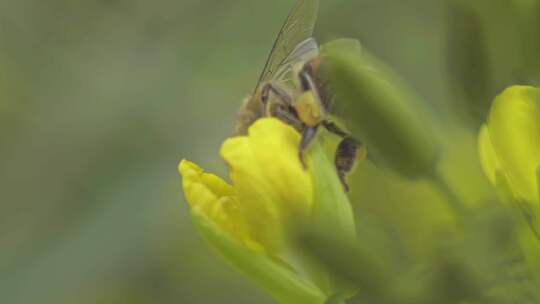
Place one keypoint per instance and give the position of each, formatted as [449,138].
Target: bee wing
[303,52]
[297,28]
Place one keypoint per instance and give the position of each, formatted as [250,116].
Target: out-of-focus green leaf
[483,261]
[468,63]
[491,44]
[355,264]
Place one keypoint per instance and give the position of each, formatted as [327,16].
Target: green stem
[453,200]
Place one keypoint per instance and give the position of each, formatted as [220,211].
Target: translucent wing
[303,52]
[297,28]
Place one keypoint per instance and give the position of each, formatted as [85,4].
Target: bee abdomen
[250,111]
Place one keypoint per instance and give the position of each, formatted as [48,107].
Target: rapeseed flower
[509,143]
[250,220]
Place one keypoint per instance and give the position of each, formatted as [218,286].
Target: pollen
[308,109]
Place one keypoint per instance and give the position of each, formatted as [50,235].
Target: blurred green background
[99,100]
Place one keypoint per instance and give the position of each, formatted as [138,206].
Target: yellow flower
[509,143]
[270,186]
[248,220]
[210,195]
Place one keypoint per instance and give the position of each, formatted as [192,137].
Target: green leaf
[355,264]
[281,282]
[468,63]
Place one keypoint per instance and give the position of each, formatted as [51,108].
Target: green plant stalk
[452,198]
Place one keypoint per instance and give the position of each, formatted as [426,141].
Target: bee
[289,89]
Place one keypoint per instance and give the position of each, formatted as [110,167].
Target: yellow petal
[271,184]
[514,128]
[487,155]
[491,165]
[202,189]
[209,195]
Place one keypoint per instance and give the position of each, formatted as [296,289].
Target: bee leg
[285,113]
[280,92]
[345,159]
[307,136]
[333,128]
[348,152]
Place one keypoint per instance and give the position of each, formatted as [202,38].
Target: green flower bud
[378,109]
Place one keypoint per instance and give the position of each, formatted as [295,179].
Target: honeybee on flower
[291,90]
[275,184]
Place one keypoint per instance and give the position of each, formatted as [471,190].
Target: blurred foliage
[99,100]
[490,45]
[481,264]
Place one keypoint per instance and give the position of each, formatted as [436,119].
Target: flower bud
[378,109]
